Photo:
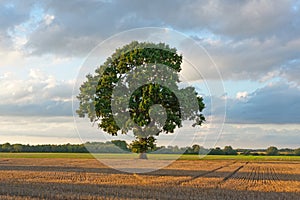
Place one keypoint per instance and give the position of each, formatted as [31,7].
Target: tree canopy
[297,152]
[138,89]
[228,150]
[272,151]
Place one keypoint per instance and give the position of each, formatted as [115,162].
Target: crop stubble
[183,179]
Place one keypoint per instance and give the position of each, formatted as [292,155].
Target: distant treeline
[120,146]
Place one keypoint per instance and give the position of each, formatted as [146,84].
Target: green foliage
[297,152]
[143,145]
[272,151]
[96,93]
[66,148]
[228,150]
[6,147]
[116,146]
[17,147]
[121,144]
[216,151]
[196,148]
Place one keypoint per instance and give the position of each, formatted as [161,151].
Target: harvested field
[61,178]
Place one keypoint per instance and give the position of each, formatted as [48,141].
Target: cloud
[247,19]
[291,71]
[38,130]
[256,40]
[46,108]
[256,20]
[241,95]
[276,103]
[249,59]
[12,13]
[40,94]
[260,136]
[247,39]
[45,130]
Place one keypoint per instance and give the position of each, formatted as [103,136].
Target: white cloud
[45,130]
[260,136]
[38,130]
[48,19]
[36,74]
[39,94]
[241,95]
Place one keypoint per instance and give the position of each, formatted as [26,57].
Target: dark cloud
[45,108]
[277,103]
[291,71]
[248,19]
[246,39]
[254,59]
[12,14]
[92,21]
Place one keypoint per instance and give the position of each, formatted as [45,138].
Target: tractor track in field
[256,175]
[233,173]
[204,174]
[273,174]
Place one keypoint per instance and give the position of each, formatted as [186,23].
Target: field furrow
[183,179]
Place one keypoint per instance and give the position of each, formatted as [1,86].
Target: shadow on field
[108,191]
[214,173]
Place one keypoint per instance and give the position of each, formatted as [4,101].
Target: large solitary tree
[138,89]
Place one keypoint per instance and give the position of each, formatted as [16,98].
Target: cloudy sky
[254,44]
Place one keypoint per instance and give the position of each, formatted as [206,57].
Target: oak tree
[146,78]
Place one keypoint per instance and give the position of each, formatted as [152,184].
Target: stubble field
[78,178]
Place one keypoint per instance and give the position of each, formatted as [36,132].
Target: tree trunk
[143,156]
[143,148]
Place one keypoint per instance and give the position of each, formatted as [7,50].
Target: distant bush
[228,150]
[120,146]
[272,151]
[216,151]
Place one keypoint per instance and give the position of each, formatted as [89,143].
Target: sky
[254,44]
